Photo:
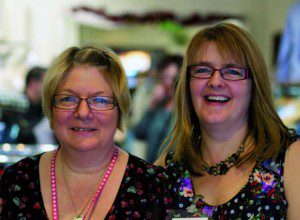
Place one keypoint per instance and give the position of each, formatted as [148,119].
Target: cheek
[196,88]
[59,119]
[115,117]
[108,120]
[248,97]
[243,94]
[58,116]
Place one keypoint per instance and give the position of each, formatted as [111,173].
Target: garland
[157,17]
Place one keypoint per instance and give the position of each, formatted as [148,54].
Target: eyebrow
[99,93]
[209,64]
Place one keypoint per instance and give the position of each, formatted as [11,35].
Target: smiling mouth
[221,99]
[84,129]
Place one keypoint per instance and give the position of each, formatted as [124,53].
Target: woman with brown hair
[233,155]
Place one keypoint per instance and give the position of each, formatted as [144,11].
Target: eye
[202,69]
[65,98]
[233,71]
[100,100]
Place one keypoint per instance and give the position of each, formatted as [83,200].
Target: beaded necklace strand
[223,167]
[96,195]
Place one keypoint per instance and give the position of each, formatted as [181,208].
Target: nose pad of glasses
[83,107]
[216,74]
[216,78]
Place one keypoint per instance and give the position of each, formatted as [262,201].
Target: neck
[86,163]
[217,145]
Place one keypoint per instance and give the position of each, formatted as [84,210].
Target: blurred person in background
[34,113]
[86,99]
[156,121]
[288,60]
[145,81]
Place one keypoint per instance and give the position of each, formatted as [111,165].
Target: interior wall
[46,27]
[147,37]
[263,19]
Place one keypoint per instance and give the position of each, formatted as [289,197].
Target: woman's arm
[292,180]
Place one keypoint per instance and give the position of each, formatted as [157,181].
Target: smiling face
[218,101]
[83,128]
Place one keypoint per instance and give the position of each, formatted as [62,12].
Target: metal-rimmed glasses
[228,73]
[97,103]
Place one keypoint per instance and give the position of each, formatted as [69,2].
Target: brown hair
[103,59]
[266,129]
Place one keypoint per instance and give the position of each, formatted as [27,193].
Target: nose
[83,110]
[216,80]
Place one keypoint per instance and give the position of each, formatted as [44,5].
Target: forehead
[84,79]
[223,50]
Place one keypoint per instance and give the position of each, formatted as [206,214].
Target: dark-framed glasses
[228,73]
[97,103]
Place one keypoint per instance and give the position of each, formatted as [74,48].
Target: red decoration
[159,16]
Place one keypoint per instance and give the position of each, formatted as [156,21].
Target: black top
[262,197]
[143,192]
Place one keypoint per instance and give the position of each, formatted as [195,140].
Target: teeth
[217,98]
[83,129]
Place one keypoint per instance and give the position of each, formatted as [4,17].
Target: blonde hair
[266,129]
[105,60]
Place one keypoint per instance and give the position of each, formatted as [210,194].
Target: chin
[213,119]
[84,146]
[214,122]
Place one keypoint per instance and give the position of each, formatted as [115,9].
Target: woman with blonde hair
[86,98]
[233,156]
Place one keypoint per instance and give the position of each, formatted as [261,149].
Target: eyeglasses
[97,103]
[228,73]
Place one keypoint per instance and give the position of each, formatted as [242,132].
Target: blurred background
[150,36]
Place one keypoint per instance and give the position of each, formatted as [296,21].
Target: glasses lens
[101,103]
[65,101]
[201,71]
[233,73]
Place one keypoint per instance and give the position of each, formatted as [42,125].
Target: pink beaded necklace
[97,193]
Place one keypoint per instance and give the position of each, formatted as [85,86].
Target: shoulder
[145,179]
[27,164]
[22,171]
[143,168]
[19,188]
[292,179]
[19,173]
[292,155]
[174,168]
[165,160]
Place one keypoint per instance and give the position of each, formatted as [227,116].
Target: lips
[217,98]
[83,129]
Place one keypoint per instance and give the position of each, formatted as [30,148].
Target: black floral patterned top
[261,198]
[143,192]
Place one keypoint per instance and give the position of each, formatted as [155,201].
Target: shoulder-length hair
[105,60]
[266,129]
